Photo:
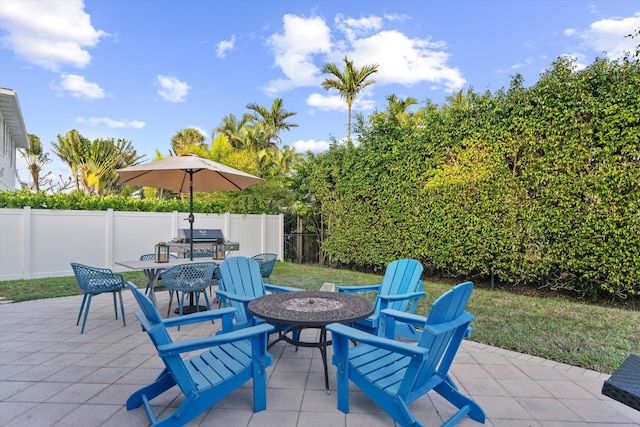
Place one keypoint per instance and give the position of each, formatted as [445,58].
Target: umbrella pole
[191,213]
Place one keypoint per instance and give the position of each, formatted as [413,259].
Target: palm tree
[36,159]
[232,128]
[349,82]
[398,106]
[458,99]
[72,150]
[273,120]
[188,140]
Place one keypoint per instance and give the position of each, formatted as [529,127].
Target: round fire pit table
[310,309]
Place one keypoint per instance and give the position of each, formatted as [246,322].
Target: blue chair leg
[115,304]
[86,313]
[124,322]
[84,299]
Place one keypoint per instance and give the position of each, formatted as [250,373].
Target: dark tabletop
[311,308]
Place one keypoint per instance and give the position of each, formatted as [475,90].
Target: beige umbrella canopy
[187,172]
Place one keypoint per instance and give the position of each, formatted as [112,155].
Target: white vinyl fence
[37,243]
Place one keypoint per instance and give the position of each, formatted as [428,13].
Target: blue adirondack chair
[93,281]
[393,373]
[227,362]
[266,262]
[241,282]
[401,289]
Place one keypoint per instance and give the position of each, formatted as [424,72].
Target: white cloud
[172,89]
[294,49]
[352,28]
[111,123]
[402,60]
[79,87]
[224,46]
[407,61]
[569,32]
[608,35]
[302,146]
[49,33]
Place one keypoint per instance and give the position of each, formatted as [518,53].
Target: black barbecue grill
[202,240]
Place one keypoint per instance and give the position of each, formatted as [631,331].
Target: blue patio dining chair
[188,278]
[217,366]
[148,257]
[93,281]
[394,373]
[206,254]
[266,262]
[401,289]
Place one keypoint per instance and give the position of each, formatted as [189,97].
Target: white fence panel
[38,243]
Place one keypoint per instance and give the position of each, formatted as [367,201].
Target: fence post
[263,233]
[26,238]
[108,238]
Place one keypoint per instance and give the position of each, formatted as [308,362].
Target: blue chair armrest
[234,297]
[199,317]
[389,314]
[351,289]
[275,288]
[400,297]
[389,317]
[357,335]
[215,340]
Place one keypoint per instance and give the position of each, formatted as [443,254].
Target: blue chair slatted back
[401,277]
[448,307]
[241,276]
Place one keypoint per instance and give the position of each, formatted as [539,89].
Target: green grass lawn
[580,334]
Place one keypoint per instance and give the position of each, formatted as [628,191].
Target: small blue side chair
[147,257]
[267,262]
[205,254]
[93,281]
[218,365]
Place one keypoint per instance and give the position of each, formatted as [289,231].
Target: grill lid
[203,235]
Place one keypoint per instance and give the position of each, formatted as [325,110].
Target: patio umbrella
[187,172]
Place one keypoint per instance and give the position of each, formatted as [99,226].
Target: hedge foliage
[537,185]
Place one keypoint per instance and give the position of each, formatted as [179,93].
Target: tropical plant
[188,140]
[36,159]
[273,121]
[72,149]
[348,82]
[232,127]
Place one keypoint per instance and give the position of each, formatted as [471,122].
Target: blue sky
[143,70]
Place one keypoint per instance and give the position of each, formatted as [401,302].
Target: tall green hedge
[537,185]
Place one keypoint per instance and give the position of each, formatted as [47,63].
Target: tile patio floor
[51,375]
